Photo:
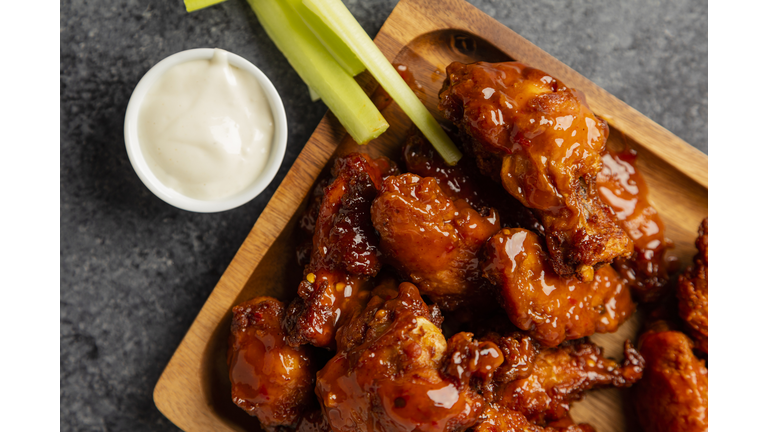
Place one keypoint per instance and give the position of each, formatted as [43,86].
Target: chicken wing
[500,419]
[308,221]
[623,189]
[552,308]
[344,253]
[270,379]
[389,378]
[432,239]
[673,395]
[562,374]
[519,351]
[534,387]
[693,292]
[462,181]
[540,140]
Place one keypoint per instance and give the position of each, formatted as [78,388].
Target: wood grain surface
[425,36]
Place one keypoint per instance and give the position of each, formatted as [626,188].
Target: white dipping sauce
[205,128]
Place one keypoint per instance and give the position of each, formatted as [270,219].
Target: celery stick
[313,94]
[341,21]
[193,5]
[319,70]
[330,40]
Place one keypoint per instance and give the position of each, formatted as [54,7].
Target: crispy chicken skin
[693,292]
[540,140]
[431,239]
[463,181]
[535,386]
[456,182]
[552,308]
[562,374]
[344,238]
[390,377]
[344,253]
[270,379]
[622,187]
[313,421]
[673,395]
[308,221]
[500,419]
[519,351]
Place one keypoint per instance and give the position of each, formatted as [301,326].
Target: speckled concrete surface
[135,271]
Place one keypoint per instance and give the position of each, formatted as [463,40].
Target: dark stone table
[135,271]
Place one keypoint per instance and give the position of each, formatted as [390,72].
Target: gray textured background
[135,271]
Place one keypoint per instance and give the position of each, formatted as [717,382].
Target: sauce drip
[622,187]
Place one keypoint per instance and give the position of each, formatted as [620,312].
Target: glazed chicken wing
[562,374]
[540,140]
[344,253]
[693,292]
[423,160]
[534,387]
[432,239]
[270,379]
[500,419]
[519,351]
[308,221]
[623,189]
[462,181]
[673,394]
[388,377]
[552,308]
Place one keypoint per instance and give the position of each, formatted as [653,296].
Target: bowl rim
[173,197]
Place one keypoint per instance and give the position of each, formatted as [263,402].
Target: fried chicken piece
[432,239]
[534,386]
[562,374]
[519,351]
[539,139]
[673,394]
[327,298]
[307,223]
[693,292]
[344,253]
[501,419]
[344,237]
[623,189]
[462,181]
[552,308]
[395,371]
[472,362]
[390,377]
[423,160]
[270,379]
[353,333]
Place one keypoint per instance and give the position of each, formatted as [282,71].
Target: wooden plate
[424,35]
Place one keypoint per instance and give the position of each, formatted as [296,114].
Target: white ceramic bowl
[277,151]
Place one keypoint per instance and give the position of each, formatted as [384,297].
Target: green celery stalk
[341,21]
[313,94]
[193,5]
[319,70]
[330,40]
